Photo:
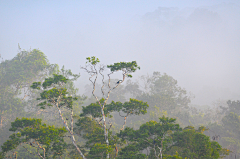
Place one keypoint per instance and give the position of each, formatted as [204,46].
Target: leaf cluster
[93,133]
[127,67]
[33,132]
[24,67]
[93,60]
[133,106]
[149,136]
[193,143]
[54,92]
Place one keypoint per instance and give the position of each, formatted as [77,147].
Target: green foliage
[151,140]
[134,106]
[93,133]
[173,157]
[163,92]
[132,89]
[232,123]
[36,85]
[54,94]
[93,60]
[148,130]
[131,152]
[94,109]
[23,68]
[56,79]
[16,76]
[37,135]
[166,138]
[99,151]
[20,72]
[234,106]
[229,132]
[127,67]
[98,136]
[192,143]
[151,135]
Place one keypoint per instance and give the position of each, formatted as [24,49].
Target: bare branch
[25,97]
[125,120]
[39,146]
[72,121]
[71,133]
[155,152]
[101,69]
[110,123]
[32,152]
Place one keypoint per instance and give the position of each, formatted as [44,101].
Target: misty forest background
[201,46]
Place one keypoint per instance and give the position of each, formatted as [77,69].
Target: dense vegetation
[43,116]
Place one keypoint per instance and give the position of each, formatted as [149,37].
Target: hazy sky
[195,41]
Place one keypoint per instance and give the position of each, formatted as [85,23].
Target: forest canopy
[43,115]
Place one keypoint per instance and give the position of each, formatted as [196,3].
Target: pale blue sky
[25,21]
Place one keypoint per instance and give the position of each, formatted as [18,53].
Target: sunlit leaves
[93,60]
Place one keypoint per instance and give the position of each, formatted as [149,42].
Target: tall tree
[16,77]
[56,94]
[162,91]
[92,130]
[91,68]
[153,137]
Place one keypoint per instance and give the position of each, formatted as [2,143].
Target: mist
[197,43]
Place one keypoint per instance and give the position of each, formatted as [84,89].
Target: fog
[197,43]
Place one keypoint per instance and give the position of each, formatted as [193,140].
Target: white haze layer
[197,45]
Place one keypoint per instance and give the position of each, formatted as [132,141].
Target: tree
[162,91]
[118,94]
[233,106]
[90,127]
[92,131]
[132,89]
[16,77]
[231,137]
[226,132]
[152,136]
[55,94]
[37,138]
[191,143]
[164,138]
[100,109]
